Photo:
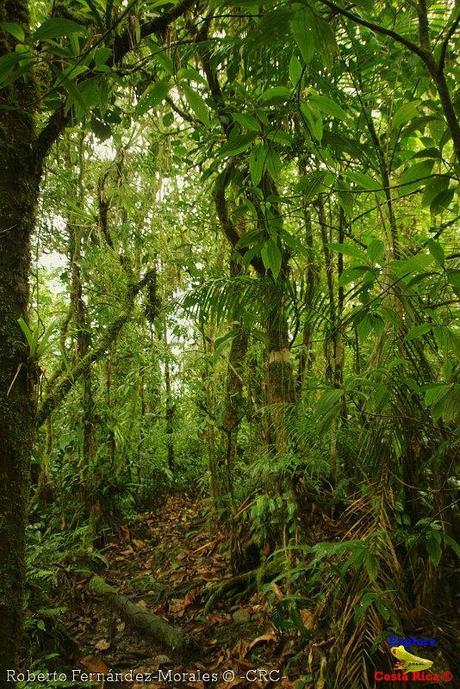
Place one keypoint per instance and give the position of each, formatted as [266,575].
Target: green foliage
[266,204]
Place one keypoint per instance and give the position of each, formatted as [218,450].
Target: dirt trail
[166,562]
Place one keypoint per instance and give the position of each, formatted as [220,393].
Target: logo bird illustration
[409,662]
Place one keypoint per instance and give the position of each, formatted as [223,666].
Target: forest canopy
[229,302]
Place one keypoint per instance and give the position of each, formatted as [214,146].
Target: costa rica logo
[409,662]
[411,667]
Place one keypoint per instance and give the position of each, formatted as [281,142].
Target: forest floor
[166,562]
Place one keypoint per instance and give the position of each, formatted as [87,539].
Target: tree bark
[311,277]
[19,189]
[169,405]
[79,310]
[280,382]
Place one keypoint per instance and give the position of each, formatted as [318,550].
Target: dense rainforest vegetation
[229,344]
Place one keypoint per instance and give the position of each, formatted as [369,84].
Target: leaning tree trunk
[19,188]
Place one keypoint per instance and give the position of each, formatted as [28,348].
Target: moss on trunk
[19,186]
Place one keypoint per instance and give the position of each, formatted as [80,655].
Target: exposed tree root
[244,583]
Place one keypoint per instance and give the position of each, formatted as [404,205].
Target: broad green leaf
[451,412]
[328,106]
[364,180]
[271,257]
[418,331]
[453,544]
[279,137]
[91,92]
[101,129]
[56,27]
[434,188]
[7,63]
[249,122]
[371,564]
[154,95]
[328,408]
[71,73]
[75,99]
[197,104]
[301,27]
[238,144]
[295,71]
[257,161]
[435,392]
[433,546]
[28,334]
[428,153]
[348,250]
[159,55]
[364,327]
[417,173]
[190,74]
[352,274]
[414,264]
[273,163]
[405,113]
[311,184]
[345,198]
[442,201]
[276,94]
[436,250]
[375,250]
[14,29]
[314,121]
[101,56]
[325,39]
[453,275]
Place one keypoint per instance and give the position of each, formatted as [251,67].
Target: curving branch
[56,396]
[376,28]
[424,52]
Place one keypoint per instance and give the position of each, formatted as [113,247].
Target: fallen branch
[151,625]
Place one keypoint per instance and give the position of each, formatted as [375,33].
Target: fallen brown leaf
[307,618]
[265,638]
[190,597]
[102,645]
[94,664]
[240,649]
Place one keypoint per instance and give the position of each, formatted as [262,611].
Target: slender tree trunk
[19,188]
[311,276]
[329,341]
[111,443]
[339,348]
[210,406]
[280,383]
[170,406]
[83,339]
[234,401]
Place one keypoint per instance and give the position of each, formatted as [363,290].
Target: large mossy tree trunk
[19,188]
